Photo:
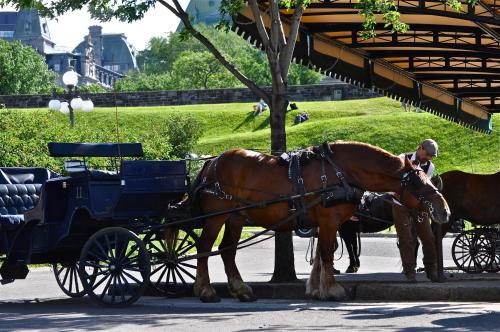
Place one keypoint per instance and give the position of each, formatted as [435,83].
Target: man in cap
[406,229]
[427,150]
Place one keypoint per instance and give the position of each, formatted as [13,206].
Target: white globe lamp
[64,108]
[54,105]
[70,78]
[76,103]
[87,106]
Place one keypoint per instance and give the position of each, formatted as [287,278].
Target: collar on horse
[343,192]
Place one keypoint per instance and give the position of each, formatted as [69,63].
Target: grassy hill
[381,121]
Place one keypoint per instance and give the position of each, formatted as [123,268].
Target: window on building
[211,3]
[113,67]
[6,34]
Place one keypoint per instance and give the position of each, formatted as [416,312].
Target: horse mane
[381,157]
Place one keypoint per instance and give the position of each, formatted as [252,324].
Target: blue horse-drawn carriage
[99,228]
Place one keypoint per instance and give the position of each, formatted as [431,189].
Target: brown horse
[247,176]
[473,197]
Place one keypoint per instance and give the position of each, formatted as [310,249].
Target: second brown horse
[248,176]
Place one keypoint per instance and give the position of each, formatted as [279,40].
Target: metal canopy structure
[448,63]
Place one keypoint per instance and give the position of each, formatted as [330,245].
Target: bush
[182,132]
[23,70]
[24,135]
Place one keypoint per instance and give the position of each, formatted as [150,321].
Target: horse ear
[408,163]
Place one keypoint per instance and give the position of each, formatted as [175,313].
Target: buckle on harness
[323,178]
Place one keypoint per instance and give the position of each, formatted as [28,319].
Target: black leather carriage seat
[15,199]
[20,189]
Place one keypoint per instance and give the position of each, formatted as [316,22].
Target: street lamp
[70,80]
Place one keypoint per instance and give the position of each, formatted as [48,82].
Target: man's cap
[430,146]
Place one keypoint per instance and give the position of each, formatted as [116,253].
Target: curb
[465,290]
[363,235]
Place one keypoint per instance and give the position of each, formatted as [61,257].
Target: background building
[99,58]
[203,11]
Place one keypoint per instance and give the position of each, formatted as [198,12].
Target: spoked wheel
[493,237]
[114,267]
[171,267]
[68,280]
[470,251]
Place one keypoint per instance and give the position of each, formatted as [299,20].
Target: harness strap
[239,245]
[350,192]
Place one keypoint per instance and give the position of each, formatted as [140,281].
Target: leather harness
[344,192]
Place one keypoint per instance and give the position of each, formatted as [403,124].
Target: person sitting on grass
[303,116]
[260,107]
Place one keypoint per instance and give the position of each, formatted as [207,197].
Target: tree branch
[179,12]
[286,58]
[276,24]
[171,8]
[259,22]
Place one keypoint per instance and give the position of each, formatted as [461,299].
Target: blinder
[409,181]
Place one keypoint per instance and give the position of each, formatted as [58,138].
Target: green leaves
[390,15]
[180,58]
[201,70]
[23,70]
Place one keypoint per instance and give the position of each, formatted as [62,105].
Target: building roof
[448,63]
[116,50]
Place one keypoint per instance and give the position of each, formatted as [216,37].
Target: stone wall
[340,91]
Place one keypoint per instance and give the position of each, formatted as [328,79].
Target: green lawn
[379,121]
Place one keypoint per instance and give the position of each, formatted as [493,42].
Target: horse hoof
[247,298]
[411,277]
[351,269]
[314,294]
[334,293]
[335,271]
[208,295]
[432,273]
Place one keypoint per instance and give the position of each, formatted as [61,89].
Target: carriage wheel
[493,237]
[114,267]
[470,251]
[68,280]
[170,270]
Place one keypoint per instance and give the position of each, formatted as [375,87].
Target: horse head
[423,196]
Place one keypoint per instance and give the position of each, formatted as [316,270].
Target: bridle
[407,184]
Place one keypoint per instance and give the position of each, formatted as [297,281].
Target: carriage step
[16,271]
[6,281]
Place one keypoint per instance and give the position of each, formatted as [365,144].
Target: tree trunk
[284,261]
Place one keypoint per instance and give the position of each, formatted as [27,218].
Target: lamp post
[70,80]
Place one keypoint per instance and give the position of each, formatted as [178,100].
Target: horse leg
[202,287]
[232,234]
[406,237]
[354,240]
[312,285]
[328,288]
[424,232]
[346,235]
